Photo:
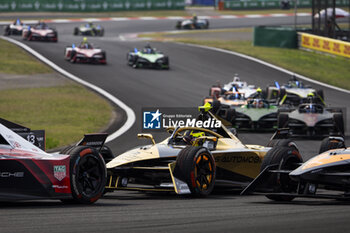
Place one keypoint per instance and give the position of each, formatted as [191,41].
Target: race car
[40,32]
[312,120]
[16,28]
[191,161]
[147,58]
[27,172]
[329,170]
[293,93]
[236,86]
[85,53]
[193,23]
[89,29]
[257,115]
[234,99]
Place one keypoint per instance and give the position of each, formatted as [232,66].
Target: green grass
[326,68]
[14,60]
[66,112]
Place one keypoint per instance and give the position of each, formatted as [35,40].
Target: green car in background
[148,57]
[257,115]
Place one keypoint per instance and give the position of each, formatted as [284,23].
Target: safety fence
[89,5]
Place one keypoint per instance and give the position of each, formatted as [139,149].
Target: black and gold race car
[325,175]
[191,161]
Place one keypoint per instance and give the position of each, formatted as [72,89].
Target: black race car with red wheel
[27,172]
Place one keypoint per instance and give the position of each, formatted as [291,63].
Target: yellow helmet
[85,39]
[197,135]
[258,90]
[310,94]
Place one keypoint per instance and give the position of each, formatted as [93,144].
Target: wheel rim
[89,175]
[204,172]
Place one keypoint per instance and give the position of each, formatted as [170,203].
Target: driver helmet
[236,78]
[85,40]
[191,137]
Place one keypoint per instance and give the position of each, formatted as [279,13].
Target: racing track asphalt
[192,72]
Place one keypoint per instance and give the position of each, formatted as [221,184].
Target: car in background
[292,93]
[236,86]
[40,32]
[89,29]
[27,172]
[85,53]
[148,57]
[16,28]
[234,99]
[194,23]
[312,120]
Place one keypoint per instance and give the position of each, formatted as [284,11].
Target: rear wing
[96,140]
[36,137]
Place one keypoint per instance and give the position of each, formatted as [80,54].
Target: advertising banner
[90,5]
[325,44]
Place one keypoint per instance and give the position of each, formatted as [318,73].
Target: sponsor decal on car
[59,172]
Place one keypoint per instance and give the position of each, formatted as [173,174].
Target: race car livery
[293,93]
[313,120]
[16,28]
[230,98]
[235,86]
[147,58]
[28,172]
[192,24]
[89,29]
[40,32]
[284,180]
[85,53]
[256,115]
[191,161]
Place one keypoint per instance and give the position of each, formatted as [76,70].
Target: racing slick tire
[7,31]
[287,158]
[27,36]
[88,175]
[331,143]
[76,31]
[102,32]
[196,166]
[339,122]
[178,25]
[320,94]
[282,143]
[231,115]
[282,121]
[283,92]
[107,154]
[72,57]
[215,106]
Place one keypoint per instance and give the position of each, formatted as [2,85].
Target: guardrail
[89,5]
[324,44]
